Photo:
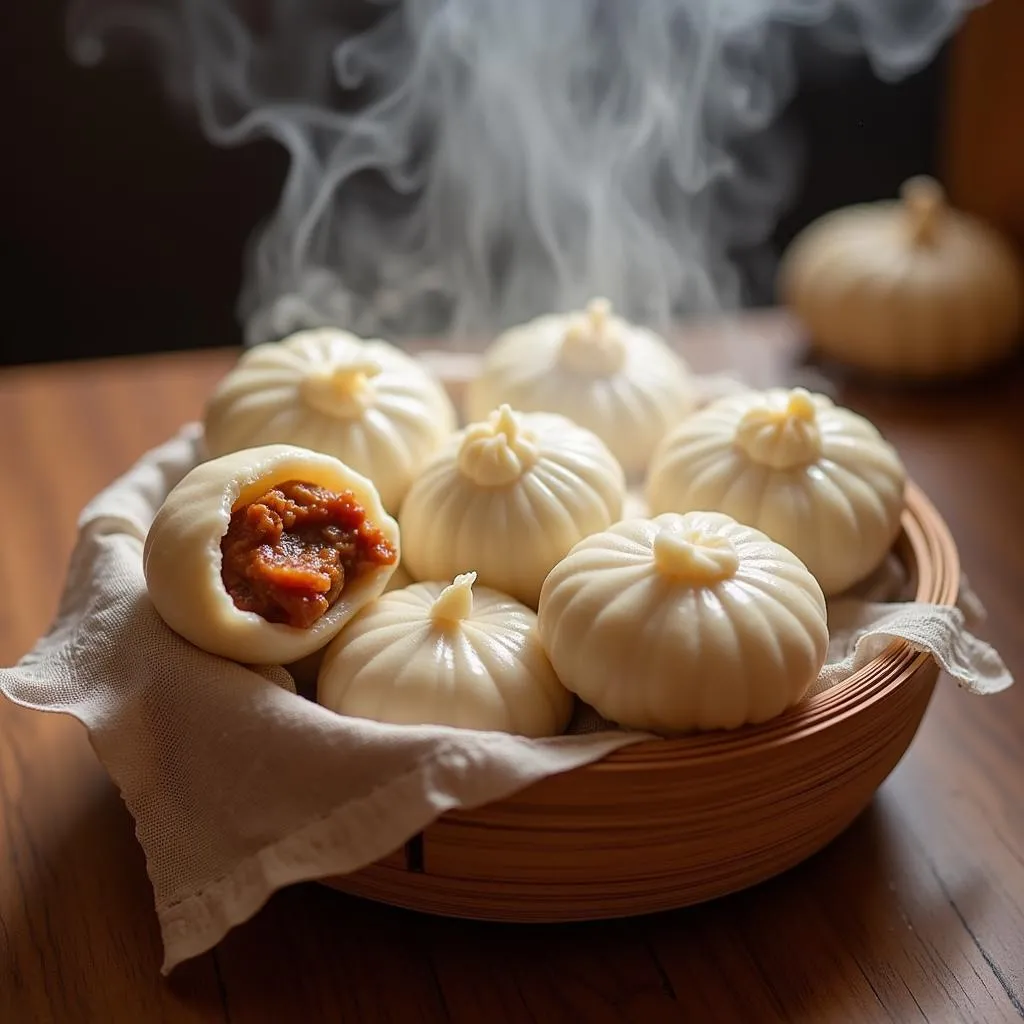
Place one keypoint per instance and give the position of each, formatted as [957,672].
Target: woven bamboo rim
[614,840]
[666,823]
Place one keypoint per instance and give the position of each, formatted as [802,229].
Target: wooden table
[916,913]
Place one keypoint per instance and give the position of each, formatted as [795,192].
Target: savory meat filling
[287,555]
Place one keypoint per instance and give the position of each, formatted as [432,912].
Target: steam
[459,165]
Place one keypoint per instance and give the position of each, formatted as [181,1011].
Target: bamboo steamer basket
[665,824]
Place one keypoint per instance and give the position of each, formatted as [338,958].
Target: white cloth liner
[239,786]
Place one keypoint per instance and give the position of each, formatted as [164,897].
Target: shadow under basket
[663,824]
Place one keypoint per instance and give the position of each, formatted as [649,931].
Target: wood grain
[915,913]
[983,141]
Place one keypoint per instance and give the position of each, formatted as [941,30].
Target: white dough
[507,498]
[182,556]
[367,403]
[684,622]
[618,380]
[437,654]
[813,476]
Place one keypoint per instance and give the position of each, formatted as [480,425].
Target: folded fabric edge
[43,708]
[974,665]
[195,923]
[338,843]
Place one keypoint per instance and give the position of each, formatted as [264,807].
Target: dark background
[123,229]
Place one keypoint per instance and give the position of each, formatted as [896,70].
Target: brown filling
[288,554]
